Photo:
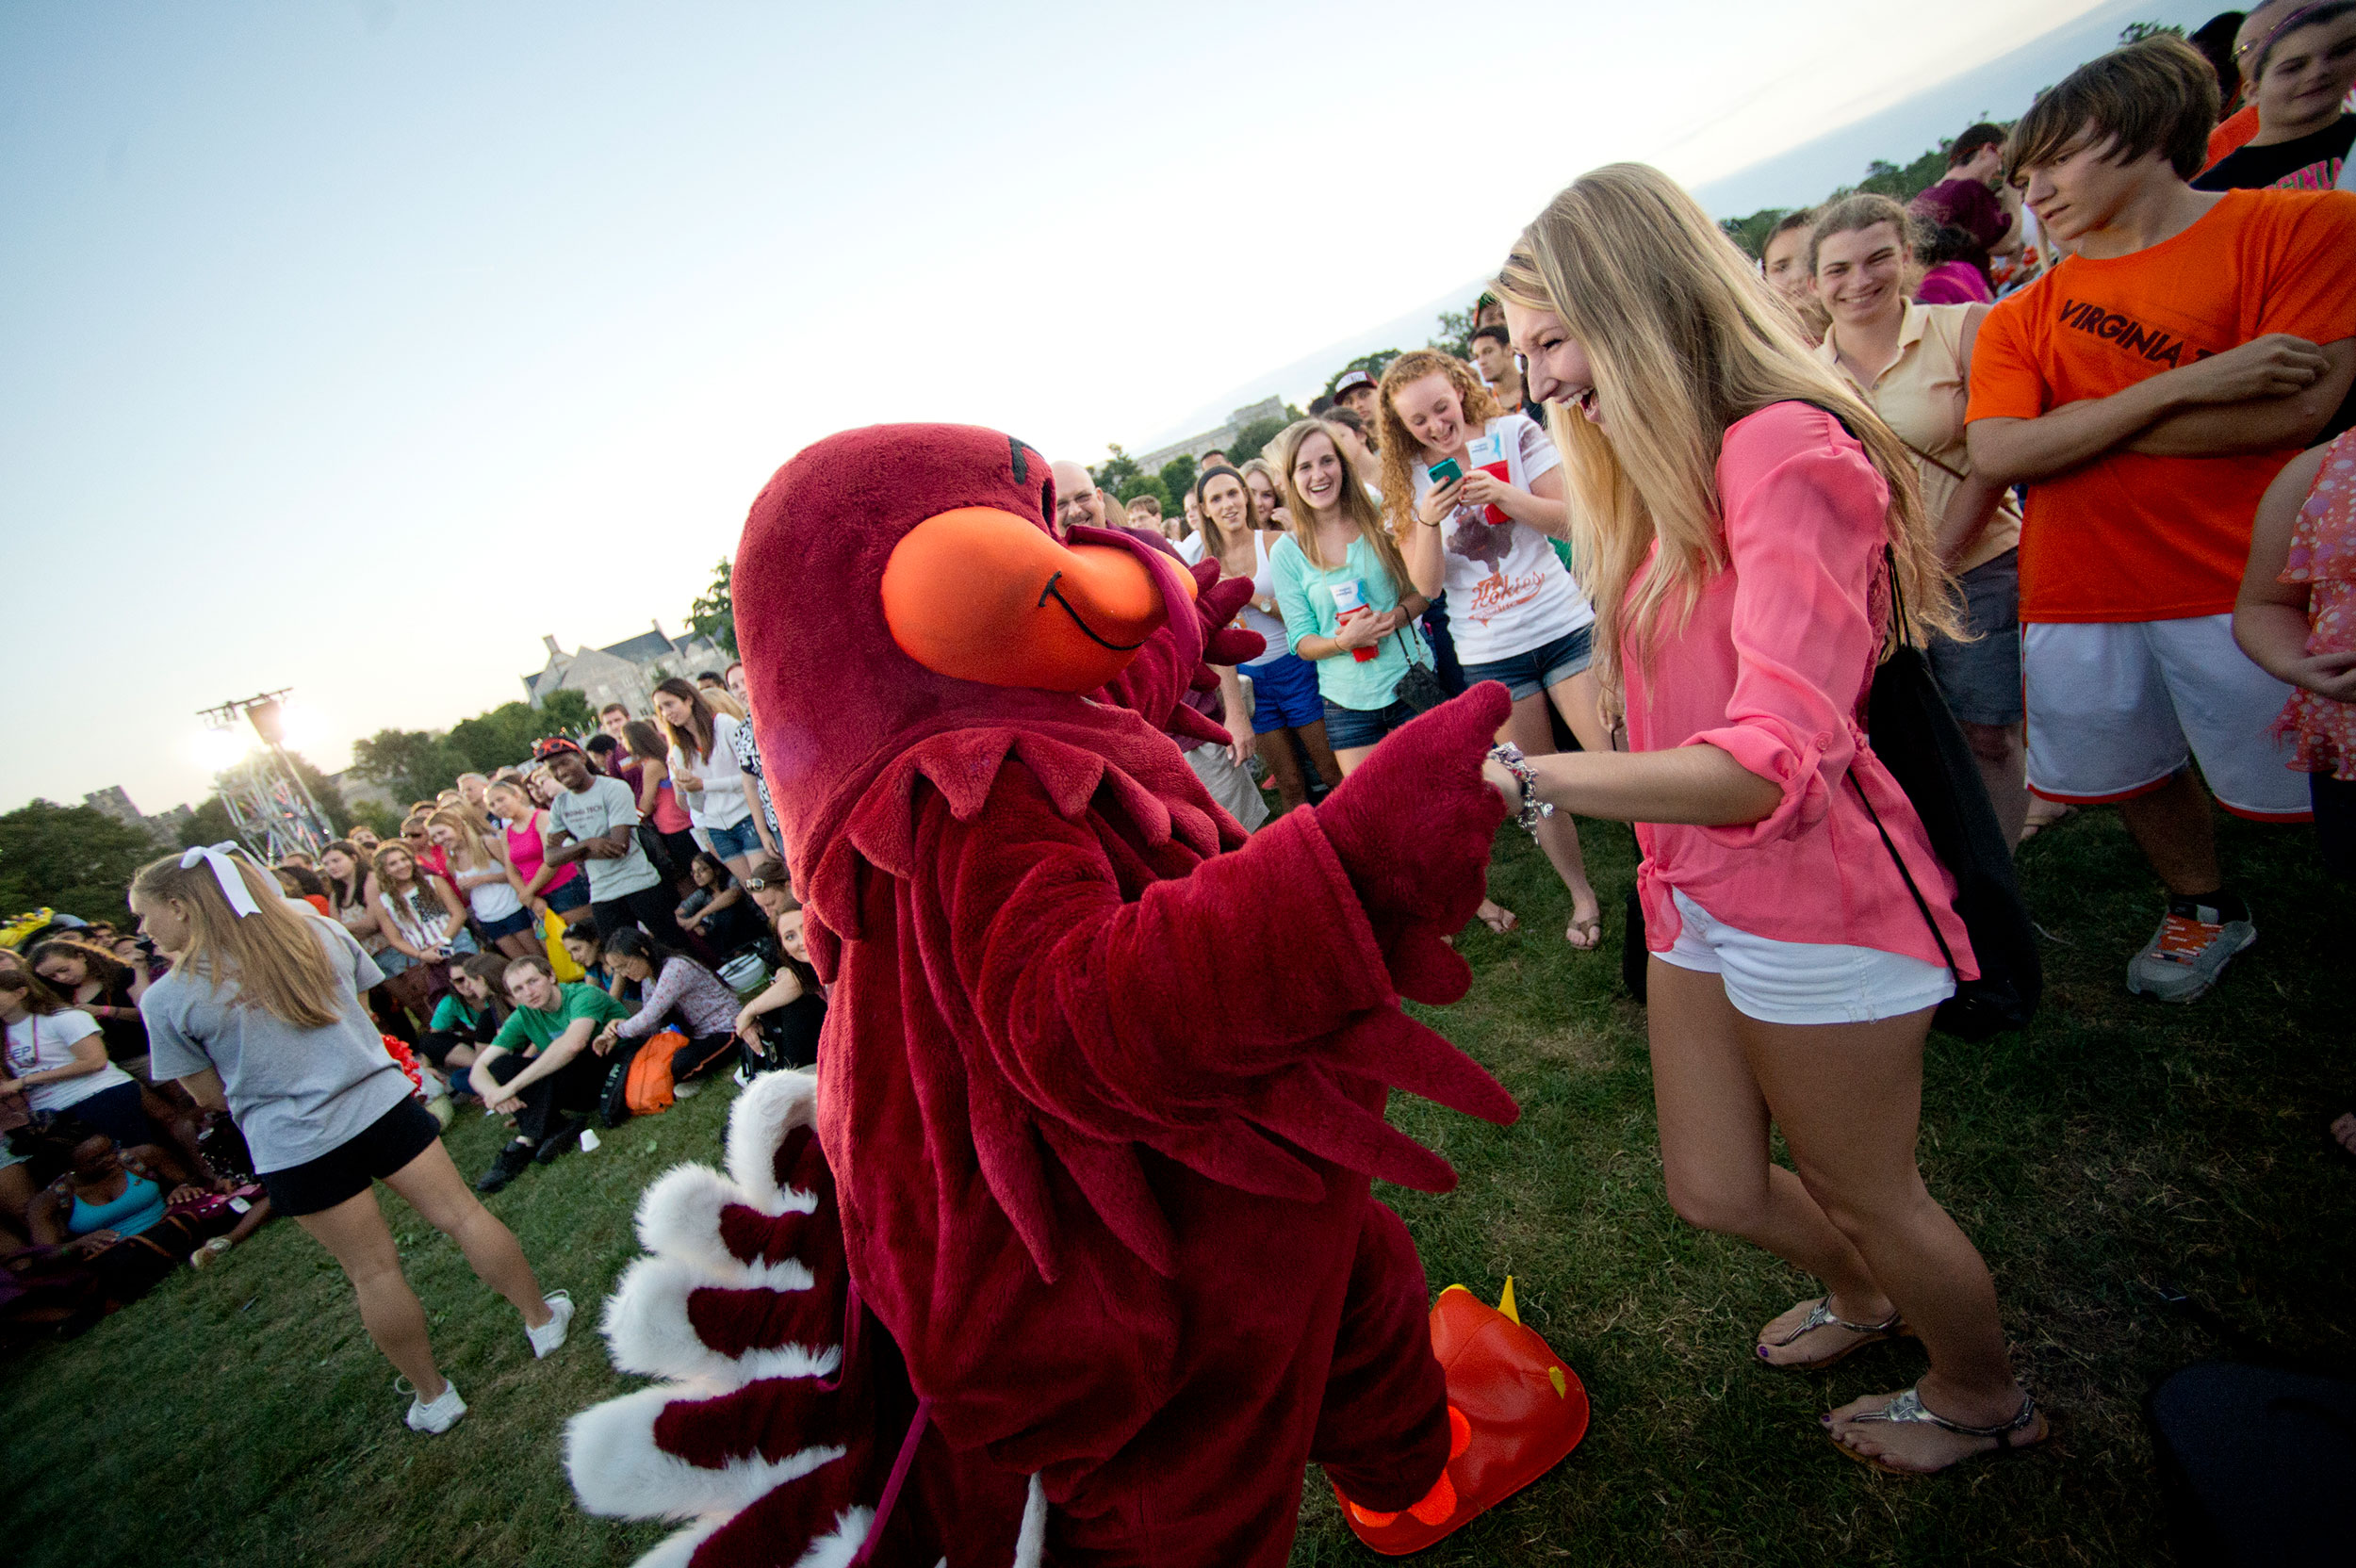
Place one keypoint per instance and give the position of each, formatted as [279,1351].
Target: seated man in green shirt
[542,1068]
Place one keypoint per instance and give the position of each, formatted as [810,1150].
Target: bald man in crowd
[1222,769]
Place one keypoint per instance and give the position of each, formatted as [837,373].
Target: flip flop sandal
[1507,922]
[1906,1409]
[1591,929]
[1819,1316]
[2031,828]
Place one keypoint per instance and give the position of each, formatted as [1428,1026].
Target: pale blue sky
[352,347]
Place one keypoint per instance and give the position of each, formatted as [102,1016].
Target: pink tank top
[526,853]
[669,815]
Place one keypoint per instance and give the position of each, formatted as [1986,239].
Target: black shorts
[389,1143]
[651,907]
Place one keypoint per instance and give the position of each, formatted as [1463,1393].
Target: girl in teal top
[141,1205]
[1338,540]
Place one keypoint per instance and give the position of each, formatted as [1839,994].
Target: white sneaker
[548,1335]
[437,1417]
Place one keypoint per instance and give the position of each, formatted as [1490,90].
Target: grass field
[2116,1152]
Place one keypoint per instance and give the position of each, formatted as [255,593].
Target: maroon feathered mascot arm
[1121,1018]
[1155,683]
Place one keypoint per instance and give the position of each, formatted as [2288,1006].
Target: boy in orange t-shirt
[2146,390]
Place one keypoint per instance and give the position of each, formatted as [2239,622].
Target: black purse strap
[1906,631]
[1904,623]
[1899,861]
[1903,627]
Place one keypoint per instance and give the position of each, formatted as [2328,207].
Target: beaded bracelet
[1534,810]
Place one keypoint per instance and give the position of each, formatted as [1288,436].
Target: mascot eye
[1047,502]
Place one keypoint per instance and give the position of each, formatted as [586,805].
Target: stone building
[1213,440]
[164,827]
[624,672]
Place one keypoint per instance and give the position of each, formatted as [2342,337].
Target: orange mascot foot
[1514,1412]
[1437,1504]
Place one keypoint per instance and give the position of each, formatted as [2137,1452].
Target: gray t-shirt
[297,1093]
[604,806]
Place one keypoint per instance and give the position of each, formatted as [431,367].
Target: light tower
[272,808]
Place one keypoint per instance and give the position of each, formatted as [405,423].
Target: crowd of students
[2121,417]
[2082,406]
[525,934]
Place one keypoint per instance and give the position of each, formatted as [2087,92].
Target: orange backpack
[642,1085]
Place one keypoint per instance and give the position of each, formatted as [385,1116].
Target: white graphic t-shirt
[1507,589]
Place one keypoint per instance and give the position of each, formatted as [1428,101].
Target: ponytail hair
[273,954]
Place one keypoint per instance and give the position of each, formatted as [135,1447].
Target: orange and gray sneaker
[2188,952]
[1514,1412]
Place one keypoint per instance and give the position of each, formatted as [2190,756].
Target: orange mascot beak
[987,596]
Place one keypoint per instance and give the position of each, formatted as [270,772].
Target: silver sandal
[1819,1316]
[1908,1410]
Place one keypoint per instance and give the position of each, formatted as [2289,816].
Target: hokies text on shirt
[1496,593]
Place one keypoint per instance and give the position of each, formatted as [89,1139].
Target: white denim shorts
[1803,982]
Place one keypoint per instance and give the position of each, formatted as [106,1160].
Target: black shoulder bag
[1919,741]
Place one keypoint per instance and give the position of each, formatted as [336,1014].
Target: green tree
[1116,470]
[208,824]
[494,739]
[73,859]
[383,821]
[1177,478]
[1145,484]
[714,616]
[1904,184]
[566,712]
[504,734]
[1251,441]
[1750,234]
[415,764]
[2135,32]
[1455,334]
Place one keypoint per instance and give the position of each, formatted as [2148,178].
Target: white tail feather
[838,1546]
[649,1331]
[772,1107]
[679,1213]
[678,1551]
[1030,1545]
[619,1471]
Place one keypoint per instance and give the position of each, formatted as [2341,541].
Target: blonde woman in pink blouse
[1735,540]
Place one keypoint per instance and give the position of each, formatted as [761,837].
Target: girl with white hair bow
[262,1013]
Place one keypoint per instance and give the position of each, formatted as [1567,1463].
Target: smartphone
[1445,470]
